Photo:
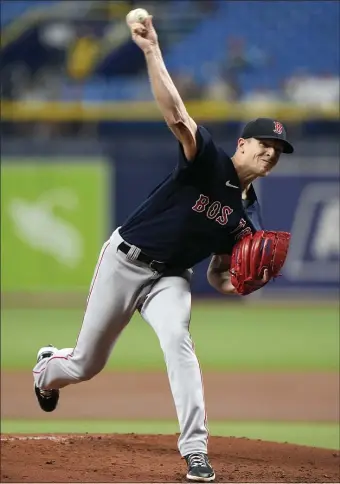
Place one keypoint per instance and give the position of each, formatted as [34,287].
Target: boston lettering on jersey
[196,211]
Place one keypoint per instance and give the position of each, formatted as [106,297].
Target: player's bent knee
[87,373]
[177,341]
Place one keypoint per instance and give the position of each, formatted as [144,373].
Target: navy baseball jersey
[196,211]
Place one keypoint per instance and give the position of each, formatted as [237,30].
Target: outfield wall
[61,200]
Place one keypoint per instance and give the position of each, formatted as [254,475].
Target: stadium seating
[296,35]
[281,38]
[14,9]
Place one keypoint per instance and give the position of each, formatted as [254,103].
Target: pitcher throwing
[206,206]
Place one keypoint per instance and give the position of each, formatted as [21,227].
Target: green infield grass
[227,337]
[311,434]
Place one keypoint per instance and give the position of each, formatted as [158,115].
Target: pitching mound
[154,458]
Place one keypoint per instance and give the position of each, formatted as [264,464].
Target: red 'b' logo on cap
[278,127]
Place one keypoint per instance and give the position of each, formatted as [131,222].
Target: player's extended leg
[112,300]
[167,309]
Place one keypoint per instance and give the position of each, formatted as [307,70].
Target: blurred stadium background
[82,143]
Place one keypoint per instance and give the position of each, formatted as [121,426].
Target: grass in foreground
[311,434]
[226,336]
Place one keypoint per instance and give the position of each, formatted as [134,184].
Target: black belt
[155,265]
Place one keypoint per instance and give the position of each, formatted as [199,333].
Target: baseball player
[201,209]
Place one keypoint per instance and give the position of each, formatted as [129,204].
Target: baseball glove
[255,253]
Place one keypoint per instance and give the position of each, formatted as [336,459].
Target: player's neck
[244,173]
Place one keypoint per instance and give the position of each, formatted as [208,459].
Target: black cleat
[199,468]
[47,399]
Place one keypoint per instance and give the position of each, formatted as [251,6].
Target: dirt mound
[155,458]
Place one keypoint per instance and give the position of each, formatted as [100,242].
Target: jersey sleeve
[255,215]
[253,210]
[207,152]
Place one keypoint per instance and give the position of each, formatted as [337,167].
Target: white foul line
[33,437]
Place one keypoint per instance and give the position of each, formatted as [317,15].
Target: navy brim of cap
[287,147]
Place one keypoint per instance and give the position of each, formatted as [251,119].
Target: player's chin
[264,171]
[264,168]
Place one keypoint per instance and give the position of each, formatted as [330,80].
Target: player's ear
[240,144]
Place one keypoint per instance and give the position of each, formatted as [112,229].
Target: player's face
[262,154]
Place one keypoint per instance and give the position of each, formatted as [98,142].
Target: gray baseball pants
[121,285]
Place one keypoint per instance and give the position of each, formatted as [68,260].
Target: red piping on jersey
[52,358]
[87,302]
[91,289]
[199,366]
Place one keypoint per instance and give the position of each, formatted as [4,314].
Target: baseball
[137,15]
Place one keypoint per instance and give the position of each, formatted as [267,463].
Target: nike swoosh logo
[228,184]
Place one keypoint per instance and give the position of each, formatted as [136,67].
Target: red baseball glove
[255,253]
